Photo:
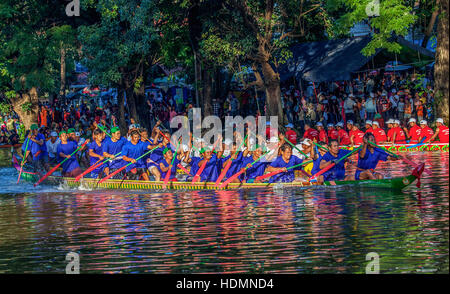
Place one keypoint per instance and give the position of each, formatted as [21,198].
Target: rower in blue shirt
[318,157]
[369,156]
[96,153]
[130,152]
[285,160]
[337,172]
[111,147]
[166,161]
[257,169]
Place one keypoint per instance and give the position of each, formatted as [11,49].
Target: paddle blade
[322,171]
[112,174]
[166,179]
[232,178]
[224,172]
[97,164]
[268,175]
[47,174]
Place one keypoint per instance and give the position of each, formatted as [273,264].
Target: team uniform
[337,172]
[415,133]
[380,135]
[113,148]
[426,133]
[97,149]
[443,134]
[70,168]
[287,176]
[173,170]
[254,171]
[369,161]
[344,138]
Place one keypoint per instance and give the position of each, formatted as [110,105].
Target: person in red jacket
[291,135]
[368,126]
[332,133]
[426,132]
[311,133]
[344,139]
[322,133]
[414,131]
[441,131]
[399,134]
[356,135]
[379,133]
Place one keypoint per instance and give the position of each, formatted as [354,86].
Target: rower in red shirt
[311,133]
[356,135]
[368,126]
[344,139]
[291,135]
[390,133]
[441,132]
[322,133]
[399,134]
[332,133]
[414,131]
[426,132]
[379,133]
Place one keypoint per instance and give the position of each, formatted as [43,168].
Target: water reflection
[311,230]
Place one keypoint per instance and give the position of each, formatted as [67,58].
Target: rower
[379,133]
[332,133]
[111,147]
[343,137]
[356,135]
[255,170]
[71,134]
[322,133]
[441,132]
[391,130]
[399,134]
[164,164]
[368,126]
[52,145]
[211,172]
[96,153]
[414,131]
[70,168]
[311,133]
[306,146]
[290,134]
[131,150]
[37,148]
[318,157]
[282,162]
[236,161]
[426,132]
[369,156]
[337,172]
[153,159]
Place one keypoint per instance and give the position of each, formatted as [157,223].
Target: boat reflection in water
[309,230]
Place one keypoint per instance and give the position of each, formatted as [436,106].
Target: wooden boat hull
[396,184]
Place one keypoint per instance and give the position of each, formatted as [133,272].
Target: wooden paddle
[333,164]
[58,165]
[280,171]
[166,179]
[94,166]
[200,170]
[233,177]
[124,167]
[23,160]
[227,167]
[406,160]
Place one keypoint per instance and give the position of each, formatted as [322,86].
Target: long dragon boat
[419,147]
[396,184]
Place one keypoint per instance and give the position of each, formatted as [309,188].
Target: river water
[310,230]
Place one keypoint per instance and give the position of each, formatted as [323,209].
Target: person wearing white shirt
[349,105]
[52,145]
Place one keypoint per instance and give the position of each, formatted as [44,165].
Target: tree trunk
[131,101]
[430,26]
[207,92]
[121,118]
[142,109]
[441,66]
[273,92]
[28,117]
[62,89]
